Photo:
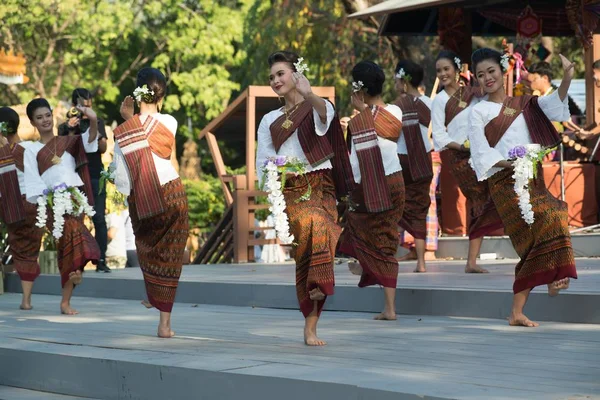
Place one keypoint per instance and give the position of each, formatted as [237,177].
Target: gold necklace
[461,102]
[56,159]
[287,124]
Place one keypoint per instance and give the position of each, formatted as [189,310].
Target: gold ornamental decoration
[12,68]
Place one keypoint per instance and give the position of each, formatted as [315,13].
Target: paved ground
[442,357]
[442,274]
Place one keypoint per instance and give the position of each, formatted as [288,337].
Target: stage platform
[109,351]
[445,291]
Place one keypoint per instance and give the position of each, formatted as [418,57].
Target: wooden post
[592,92]
[213,146]
[240,220]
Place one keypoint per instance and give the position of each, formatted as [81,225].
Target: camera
[74,113]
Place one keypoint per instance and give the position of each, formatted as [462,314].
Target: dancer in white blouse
[53,161]
[19,215]
[376,204]
[306,128]
[450,118]
[414,151]
[497,126]
[157,201]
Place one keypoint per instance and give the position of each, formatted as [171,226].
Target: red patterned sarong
[416,206]
[313,224]
[372,238]
[544,247]
[24,239]
[76,247]
[484,216]
[160,242]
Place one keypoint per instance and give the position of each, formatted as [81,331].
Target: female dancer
[414,151]
[56,160]
[306,128]
[497,126]
[157,200]
[450,117]
[19,215]
[376,204]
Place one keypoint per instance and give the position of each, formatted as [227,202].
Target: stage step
[445,291]
[110,351]
[13,393]
[453,247]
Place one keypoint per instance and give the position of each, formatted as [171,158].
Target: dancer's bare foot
[385,316]
[311,339]
[411,255]
[475,269]
[66,309]
[521,320]
[147,304]
[76,277]
[420,268]
[316,295]
[25,307]
[555,287]
[355,268]
[165,332]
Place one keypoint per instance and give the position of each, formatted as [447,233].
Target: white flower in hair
[357,86]
[143,93]
[400,73]
[3,127]
[504,62]
[458,62]
[301,65]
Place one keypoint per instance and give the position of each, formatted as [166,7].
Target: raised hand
[302,84]
[358,101]
[87,111]
[127,110]
[568,67]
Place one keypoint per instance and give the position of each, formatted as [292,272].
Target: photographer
[75,125]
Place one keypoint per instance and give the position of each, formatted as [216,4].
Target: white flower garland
[525,169]
[357,86]
[301,66]
[64,200]
[275,197]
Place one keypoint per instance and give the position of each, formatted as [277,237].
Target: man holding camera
[75,125]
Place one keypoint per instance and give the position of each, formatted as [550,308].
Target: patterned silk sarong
[484,216]
[24,239]
[160,243]
[544,247]
[416,206]
[372,238]
[76,247]
[313,224]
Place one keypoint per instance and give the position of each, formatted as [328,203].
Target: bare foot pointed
[385,316]
[147,304]
[26,307]
[316,295]
[420,269]
[355,268]
[521,320]
[411,255]
[76,277]
[555,287]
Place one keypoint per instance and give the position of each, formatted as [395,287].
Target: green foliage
[206,202]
